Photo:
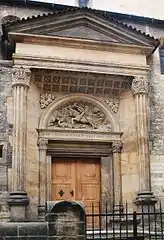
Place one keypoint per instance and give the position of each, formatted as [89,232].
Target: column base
[146,201]
[41,212]
[119,221]
[18,200]
[145,198]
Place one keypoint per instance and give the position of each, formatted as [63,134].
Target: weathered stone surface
[66,220]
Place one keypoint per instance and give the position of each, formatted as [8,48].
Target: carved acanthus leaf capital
[140,85]
[42,143]
[117,147]
[21,76]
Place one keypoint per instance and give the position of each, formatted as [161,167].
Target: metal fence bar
[143,220]
[122,225]
[106,220]
[155,221]
[126,216]
[100,220]
[161,220]
[113,225]
[93,234]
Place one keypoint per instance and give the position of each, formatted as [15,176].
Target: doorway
[76,179]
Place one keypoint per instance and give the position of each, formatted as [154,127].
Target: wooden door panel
[63,179]
[88,189]
[83,177]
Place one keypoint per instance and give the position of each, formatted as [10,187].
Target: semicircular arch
[61,101]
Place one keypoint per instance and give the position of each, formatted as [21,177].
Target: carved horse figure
[79,115]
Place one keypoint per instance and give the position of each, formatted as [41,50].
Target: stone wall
[6,102]
[156,123]
[5,133]
[20,12]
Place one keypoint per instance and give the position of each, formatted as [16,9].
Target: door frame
[56,149]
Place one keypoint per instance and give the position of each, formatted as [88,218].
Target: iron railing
[120,222]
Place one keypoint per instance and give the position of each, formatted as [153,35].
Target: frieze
[81,135]
[79,115]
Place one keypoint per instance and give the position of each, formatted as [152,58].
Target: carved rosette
[21,76]
[117,147]
[140,85]
[79,115]
[42,143]
[46,99]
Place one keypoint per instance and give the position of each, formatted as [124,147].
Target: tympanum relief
[79,115]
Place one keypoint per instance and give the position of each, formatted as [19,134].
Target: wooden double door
[76,179]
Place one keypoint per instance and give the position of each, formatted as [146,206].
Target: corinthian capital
[140,85]
[117,147]
[21,76]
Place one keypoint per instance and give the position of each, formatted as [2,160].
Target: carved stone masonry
[113,103]
[79,115]
[117,147]
[140,85]
[46,99]
[21,76]
[42,143]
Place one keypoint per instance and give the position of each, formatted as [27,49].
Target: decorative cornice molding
[21,76]
[117,146]
[140,85]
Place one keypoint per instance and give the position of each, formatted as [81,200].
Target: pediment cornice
[83,24]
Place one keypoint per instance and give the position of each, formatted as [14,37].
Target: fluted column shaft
[140,93]
[42,145]
[117,148]
[20,85]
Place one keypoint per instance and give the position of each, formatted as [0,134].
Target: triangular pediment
[83,24]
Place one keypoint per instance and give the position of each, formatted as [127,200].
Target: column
[42,145]
[140,94]
[116,149]
[18,197]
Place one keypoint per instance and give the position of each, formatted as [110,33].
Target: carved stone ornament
[79,115]
[21,76]
[117,147]
[113,103]
[46,99]
[140,85]
[42,143]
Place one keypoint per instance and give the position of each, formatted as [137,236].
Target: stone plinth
[18,201]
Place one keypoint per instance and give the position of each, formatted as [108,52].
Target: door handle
[72,193]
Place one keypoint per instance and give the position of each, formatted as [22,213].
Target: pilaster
[18,197]
[116,149]
[43,168]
